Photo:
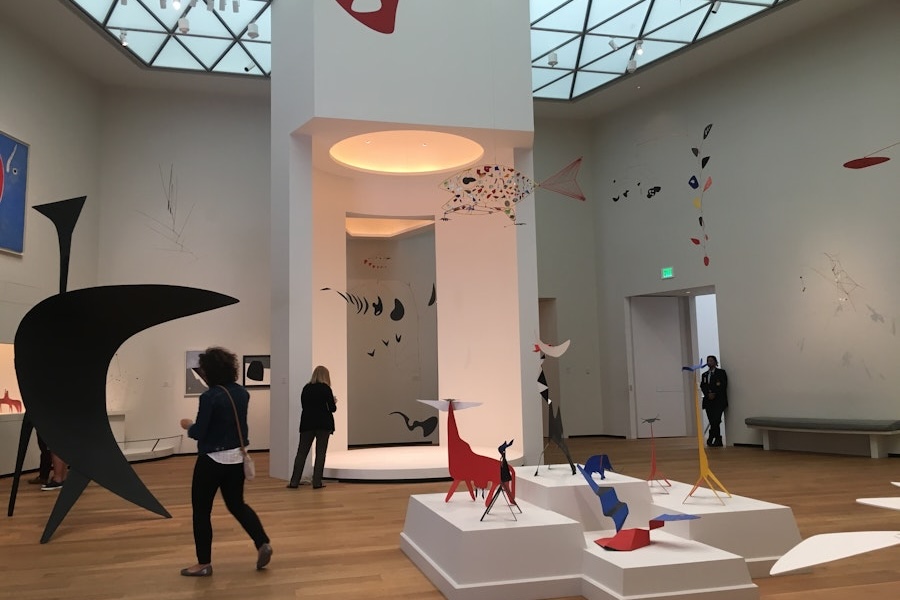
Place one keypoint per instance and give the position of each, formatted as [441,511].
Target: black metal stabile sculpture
[63,348]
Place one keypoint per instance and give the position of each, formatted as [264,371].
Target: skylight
[215,36]
[577,46]
[591,43]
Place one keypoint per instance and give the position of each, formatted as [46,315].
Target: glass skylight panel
[541,8]
[543,42]
[174,56]
[682,30]
[619,17]
[209,43]
[728,15]
[569,17]
[578,31]
[664,13]
[586,81]
[559,90]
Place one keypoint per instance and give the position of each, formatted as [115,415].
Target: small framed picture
[257,371]
[193,383]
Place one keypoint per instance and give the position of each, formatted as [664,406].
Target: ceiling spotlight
[123,2]
[184,25]
[613,44]
[552,59]
[209,5]
[716,5]
[162,3]
[176,4]
[249,67]
[193,3]
[221,4]
[236,5]
[639,47]
[632,65]
[252,31]
[123,37]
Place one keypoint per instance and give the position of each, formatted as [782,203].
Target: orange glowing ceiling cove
[381,20]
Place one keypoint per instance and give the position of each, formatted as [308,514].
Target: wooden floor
[343,541]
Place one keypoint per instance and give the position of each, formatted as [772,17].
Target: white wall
[216,150]
[784,121]
[568,272]
[57,114]
[397,372]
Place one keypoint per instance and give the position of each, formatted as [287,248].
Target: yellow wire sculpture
[706,473]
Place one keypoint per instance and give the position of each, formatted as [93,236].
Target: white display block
[536,555]
[759,531]
[671,567]
[556,489]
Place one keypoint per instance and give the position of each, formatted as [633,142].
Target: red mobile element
[382,20]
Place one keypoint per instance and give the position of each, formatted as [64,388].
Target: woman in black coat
[317,403]
[219,465]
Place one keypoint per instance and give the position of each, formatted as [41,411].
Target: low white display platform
[536,555]
[549,551]
[670,567]
[759,531]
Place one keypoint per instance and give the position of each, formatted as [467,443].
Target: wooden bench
[877,430]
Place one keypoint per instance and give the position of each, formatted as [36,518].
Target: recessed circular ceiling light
[406,152]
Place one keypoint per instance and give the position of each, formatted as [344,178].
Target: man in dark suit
[714,385]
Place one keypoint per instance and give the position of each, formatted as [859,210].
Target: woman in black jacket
[220,459]
[317,403]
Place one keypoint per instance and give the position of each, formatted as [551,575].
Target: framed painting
[257,371]
[193,384]
[13,172]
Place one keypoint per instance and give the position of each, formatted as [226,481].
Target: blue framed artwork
[13,171]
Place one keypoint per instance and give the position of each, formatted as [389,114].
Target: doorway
[665,332]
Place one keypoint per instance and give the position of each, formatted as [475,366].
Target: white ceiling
[79,43]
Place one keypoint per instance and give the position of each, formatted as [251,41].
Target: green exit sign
[667,273]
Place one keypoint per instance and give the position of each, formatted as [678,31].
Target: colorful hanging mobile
[489,189]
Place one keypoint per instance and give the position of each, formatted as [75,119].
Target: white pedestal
[759,531]
[671,567]
[558,490]
[549,551]
[537,556]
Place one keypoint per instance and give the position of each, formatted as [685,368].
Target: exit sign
[667,273]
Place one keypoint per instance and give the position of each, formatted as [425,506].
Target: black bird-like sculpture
[63,348]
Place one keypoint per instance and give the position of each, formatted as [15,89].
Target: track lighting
[632,65]
[221,4]
[613,44]
[715,6]
[162,3]
[236,5]
[639,47]
[176,4]
[193,3]
[552,59]
[252,31]
[123,2]
[209,5]
[184,25]
[123,37]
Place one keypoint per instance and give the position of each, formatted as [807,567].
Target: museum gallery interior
[513,232]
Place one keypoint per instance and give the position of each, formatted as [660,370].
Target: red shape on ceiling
[382,20]
[867,161]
